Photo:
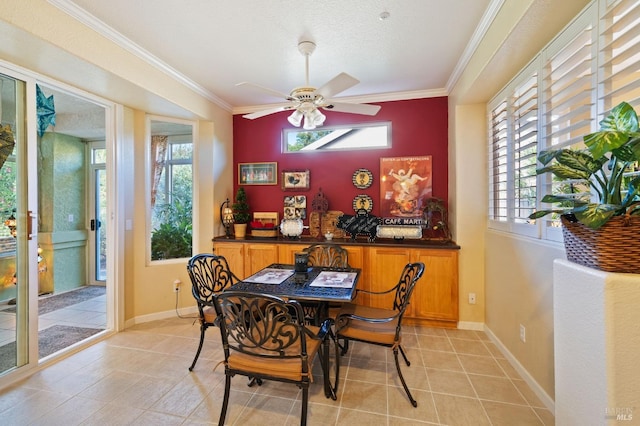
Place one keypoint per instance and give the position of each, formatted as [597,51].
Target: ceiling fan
[306,100]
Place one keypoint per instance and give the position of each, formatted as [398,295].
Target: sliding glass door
[17,226]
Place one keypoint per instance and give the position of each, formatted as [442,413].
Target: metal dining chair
[328,255]
[210,275]
[264,337]
[379,326]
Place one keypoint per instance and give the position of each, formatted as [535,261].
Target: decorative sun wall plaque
[362,178]
[363,202]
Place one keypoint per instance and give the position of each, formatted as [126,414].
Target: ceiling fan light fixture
[308,123]
[295,118]
[306,100]
[318,117]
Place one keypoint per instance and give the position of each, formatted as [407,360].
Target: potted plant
[611,213]
[241,214]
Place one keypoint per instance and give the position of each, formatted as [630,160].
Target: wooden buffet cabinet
[435,298]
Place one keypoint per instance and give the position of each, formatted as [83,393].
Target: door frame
[118,123]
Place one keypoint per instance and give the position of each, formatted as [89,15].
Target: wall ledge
[596,342]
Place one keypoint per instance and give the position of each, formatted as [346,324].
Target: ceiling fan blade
[264,112]
[337,84]
[365,109]
[266,90]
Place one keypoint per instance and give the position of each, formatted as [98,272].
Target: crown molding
[487,18]
[106,31]
[381,97]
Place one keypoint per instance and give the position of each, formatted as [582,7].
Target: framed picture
[257,173]
[295,207]
[405,186]
[295,180]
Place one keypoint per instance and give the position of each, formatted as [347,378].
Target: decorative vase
[291,228]
[614,247]
[240,230]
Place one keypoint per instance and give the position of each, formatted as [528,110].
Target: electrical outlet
[472,298]
[176,286]
[523,334]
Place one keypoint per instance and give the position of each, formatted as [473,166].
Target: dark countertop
[360,241]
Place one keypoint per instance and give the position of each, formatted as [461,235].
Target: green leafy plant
[611,152]
[240,208]
[172,239]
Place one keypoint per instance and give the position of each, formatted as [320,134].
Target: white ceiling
[213,44]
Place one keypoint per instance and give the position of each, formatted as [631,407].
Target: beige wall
[519,290]
[52,44]
[468,125]
[512,276]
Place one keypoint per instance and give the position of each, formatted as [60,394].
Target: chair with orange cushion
[381,326]
[210,275]
[264,337]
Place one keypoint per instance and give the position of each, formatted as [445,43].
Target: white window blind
[619,69]
[590,67]
[525,149]
[498,163]
[513,154]
[619,66]
[569,105]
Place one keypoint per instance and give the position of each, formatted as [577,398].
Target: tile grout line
[514,385]
[466,373]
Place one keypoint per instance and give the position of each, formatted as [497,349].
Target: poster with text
[405,185]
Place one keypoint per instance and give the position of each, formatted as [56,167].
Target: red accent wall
[419,127]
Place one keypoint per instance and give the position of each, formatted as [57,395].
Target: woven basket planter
[614,247]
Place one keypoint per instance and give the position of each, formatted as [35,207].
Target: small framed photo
[295,207]
[295,180]
[257,173]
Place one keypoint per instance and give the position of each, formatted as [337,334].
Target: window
[171,190]
[513,154]
[556,100]
[332,138]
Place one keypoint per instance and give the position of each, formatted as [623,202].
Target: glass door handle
[31,216]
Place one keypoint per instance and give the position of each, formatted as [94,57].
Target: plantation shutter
[619,66]
[498,163]
[525,141]
[569,94]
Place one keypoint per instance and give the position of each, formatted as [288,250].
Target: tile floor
[140,377]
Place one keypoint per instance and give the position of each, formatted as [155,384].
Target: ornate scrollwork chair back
[265,337]
[209,275]
[380,326]
[330,255]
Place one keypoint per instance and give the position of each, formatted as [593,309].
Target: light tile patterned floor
[140,377]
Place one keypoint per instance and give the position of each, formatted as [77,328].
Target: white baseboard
[469,325]
[190,311]
[535,387]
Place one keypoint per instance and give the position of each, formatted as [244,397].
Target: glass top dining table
[317,283]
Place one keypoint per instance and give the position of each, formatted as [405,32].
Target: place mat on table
[334,279]
[270,276]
